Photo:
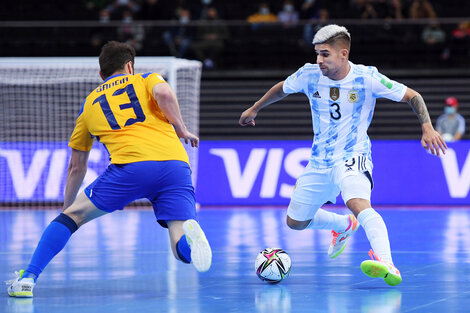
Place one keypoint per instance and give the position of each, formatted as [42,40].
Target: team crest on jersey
[352,96]
[334,93]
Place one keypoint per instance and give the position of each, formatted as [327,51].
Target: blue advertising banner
[252,172]
[264,172]
[36,171]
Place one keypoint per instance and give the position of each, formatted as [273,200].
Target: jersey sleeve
[383,87]
[295,82]
[81,138]
[151,79]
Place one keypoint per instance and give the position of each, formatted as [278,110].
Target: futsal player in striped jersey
[342,98]
[137,118]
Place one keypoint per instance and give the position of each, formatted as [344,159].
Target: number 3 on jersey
[134,104]
[336,114]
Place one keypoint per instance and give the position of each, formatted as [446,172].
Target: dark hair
[114,56]
[341,38]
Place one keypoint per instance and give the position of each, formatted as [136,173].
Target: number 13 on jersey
[134,104]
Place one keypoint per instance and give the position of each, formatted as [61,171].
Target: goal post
[40,99]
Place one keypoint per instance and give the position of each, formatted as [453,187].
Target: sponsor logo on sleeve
[386,82]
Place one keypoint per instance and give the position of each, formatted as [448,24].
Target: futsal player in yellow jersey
[123,114]
[137,118]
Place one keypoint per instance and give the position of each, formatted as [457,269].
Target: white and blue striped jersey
[342,110]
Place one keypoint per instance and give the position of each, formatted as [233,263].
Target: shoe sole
[20,294]
[376,269]
[201,253]
[339,252]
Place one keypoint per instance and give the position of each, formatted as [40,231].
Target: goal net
[40,99]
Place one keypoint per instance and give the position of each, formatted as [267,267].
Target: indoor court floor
[122,263]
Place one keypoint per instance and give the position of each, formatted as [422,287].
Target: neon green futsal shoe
[378,268]
[201,253]
[339,239]
[21,287]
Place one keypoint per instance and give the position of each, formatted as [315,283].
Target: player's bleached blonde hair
[332,33]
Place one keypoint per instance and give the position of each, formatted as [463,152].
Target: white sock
[376,232]
[328,220]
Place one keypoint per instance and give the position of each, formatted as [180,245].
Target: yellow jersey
[123,115]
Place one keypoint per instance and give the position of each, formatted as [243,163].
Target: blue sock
[53,240]
[183,249]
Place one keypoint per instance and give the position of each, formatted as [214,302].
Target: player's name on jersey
[103,87]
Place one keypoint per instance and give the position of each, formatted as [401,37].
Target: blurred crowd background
[242,34]
[246,46]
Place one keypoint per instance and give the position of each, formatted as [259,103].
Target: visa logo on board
[266,165]
[37,171]
[458,182]
[241,180]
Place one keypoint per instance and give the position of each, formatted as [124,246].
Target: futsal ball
[272,265]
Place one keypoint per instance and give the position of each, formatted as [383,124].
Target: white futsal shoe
[201,253]
[21,287]
[339,239]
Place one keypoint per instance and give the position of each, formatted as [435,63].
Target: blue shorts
[167,184]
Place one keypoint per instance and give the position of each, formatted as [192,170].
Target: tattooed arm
[431,140]
[419,107]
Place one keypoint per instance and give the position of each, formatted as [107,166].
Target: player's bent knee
[82,210]
[356,205]
[67,221]
[296,225]
[73,217]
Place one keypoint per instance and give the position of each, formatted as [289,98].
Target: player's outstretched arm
[75,174]
[274,94]
[168,103]
[431,140]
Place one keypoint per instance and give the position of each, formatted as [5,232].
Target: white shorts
[316,187]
